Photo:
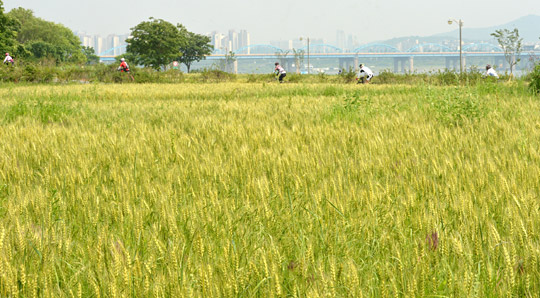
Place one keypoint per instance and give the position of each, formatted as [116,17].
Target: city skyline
[368,20]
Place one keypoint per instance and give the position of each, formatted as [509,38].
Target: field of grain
[268,190]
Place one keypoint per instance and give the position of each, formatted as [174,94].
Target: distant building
[243,39]
[340,39]
[230,42]
[111,45]
[233,40]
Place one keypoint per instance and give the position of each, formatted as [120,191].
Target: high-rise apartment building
[111,45]
[233,40]
[243,39]
[340,39]
[230,42]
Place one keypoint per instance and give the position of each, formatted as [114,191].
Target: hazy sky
[370,20]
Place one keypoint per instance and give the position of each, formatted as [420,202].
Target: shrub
[348,76]
[216,75]
[534,79]
[455,107]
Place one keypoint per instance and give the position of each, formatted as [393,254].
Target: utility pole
[460,23]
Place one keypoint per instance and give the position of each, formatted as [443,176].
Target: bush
[216,75]
[455,107]
[534,79]
[347,76]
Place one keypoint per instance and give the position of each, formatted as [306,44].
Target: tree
[227,64]
[155,43]
[510,42]
[44,39]
[194,48]
[298,59]
[91,57]
[8,31]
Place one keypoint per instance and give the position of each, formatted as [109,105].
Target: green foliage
[348,75]
[534,79]
[21,52]
[296,78]
[194,47]
[213,75]
[354,108]
[46,40]
[8,31]
[510,42]
[322,77]
[227,63]
[155,43]
[455,107]
[90,54]
[333,90]
[44,111]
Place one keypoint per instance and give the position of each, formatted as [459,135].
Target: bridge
[403,59]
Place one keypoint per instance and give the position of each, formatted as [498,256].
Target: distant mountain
[528,26]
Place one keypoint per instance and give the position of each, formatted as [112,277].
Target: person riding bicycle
[364,74]
[279,70]
[9,59]
[124,67]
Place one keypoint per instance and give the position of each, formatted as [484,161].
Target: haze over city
[368,20]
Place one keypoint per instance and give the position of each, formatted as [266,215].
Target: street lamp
[460,23]
[301,38]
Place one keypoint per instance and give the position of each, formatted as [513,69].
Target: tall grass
[261,189]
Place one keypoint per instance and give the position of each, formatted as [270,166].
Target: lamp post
[460,23]
[301,38]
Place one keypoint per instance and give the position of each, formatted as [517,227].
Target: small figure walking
[364,74]
[124,67]
[279,70]
[9,59]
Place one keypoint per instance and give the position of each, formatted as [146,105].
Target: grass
[261,189]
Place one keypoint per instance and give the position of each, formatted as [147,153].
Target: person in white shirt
[490,72]
[8,59]
[364,74]
[279,70]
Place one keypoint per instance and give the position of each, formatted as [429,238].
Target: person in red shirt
[124,67]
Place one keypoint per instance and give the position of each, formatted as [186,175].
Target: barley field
[266,190]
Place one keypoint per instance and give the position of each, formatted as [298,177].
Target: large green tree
[194,48]
[8,31]
[155,43]
[44,39]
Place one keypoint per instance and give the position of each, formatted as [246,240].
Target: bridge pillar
[356,63]
[398,64]
[235,65]
[452,63]
[411,64]
[347,63]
